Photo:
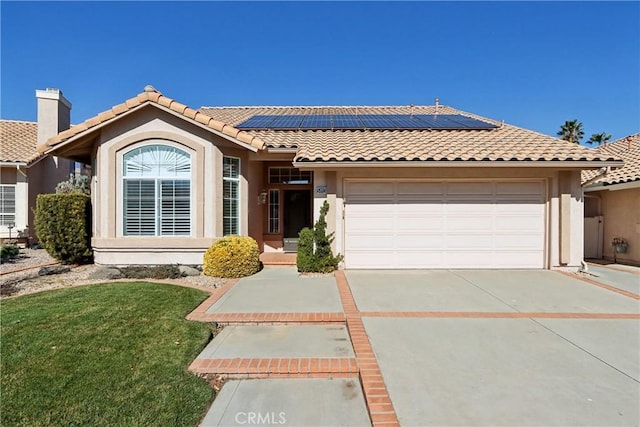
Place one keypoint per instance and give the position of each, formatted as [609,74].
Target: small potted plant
[619,245]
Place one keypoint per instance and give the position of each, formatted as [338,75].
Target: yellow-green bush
[232,256]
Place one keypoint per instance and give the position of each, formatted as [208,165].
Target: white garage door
[444,224]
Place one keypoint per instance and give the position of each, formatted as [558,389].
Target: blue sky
[533,65]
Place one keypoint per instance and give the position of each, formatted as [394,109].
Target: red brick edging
[499,315]
[602,285]
[304,367]
[200,313]
[376,395]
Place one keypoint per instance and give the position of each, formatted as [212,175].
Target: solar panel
[406,121]
[257,122]
[469,122]
[287,122]
[378,121]
[347,121]
[364,121]
[321,121]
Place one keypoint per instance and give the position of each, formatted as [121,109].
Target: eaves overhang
[58,147]
[577,164]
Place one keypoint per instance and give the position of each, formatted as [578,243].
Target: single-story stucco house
[612,203]
[408,186]
[25,172]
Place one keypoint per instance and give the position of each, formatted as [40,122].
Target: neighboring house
[24,172]
[612,203]
[408,187]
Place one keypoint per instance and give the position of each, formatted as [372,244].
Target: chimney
[54,113]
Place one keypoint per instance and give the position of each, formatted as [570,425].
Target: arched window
[156,191]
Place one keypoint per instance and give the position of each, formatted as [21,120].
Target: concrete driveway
[428,348]
[460,348]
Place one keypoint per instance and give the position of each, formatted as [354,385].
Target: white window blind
[231,195]
[157,192]
[274,211]
[7,205]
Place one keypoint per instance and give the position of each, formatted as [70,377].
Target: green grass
[112,354]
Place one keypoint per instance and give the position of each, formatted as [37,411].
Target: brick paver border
[305,367]
[200,313]
[499,315]
[376,395]
[602,285]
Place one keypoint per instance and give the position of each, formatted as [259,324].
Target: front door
[296,216]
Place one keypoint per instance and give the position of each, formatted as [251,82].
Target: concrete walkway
[293,402]
[426,348]
[626,278]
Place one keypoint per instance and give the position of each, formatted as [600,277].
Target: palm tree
[599,138]
[571,131]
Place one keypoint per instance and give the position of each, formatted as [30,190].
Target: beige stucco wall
[564,201]
[39,178]
[43,177]
[621,212]
[144,127]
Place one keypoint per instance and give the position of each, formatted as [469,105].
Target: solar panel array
[364,121]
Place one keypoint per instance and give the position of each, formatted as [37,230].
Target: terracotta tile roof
[507,142]
[18,141]
[150,95]
[628,149]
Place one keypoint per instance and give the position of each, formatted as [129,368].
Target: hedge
[63,226]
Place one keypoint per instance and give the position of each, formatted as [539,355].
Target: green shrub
[317,255]
[63,226]
[151,272]
[9,251]
[304,260]
[232,257]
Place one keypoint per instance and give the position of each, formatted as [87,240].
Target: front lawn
[113,354]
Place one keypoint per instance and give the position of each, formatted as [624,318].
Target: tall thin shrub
[63,226]
[317,256]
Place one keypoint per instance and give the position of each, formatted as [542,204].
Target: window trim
[238,197]
[158,180]
[289,181]
[275,218]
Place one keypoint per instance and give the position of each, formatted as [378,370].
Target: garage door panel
[417,241]
[445,225]
[419,223]
[372,190]
[468,259]
[517,224]
[519,188]
[521,241]
[461,224]
[417,260]
[469,188]
[363,241]
[364,259]
[516,259]
[431,189]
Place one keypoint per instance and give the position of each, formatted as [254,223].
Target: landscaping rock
[56,269]
[105,273]
[185,270]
